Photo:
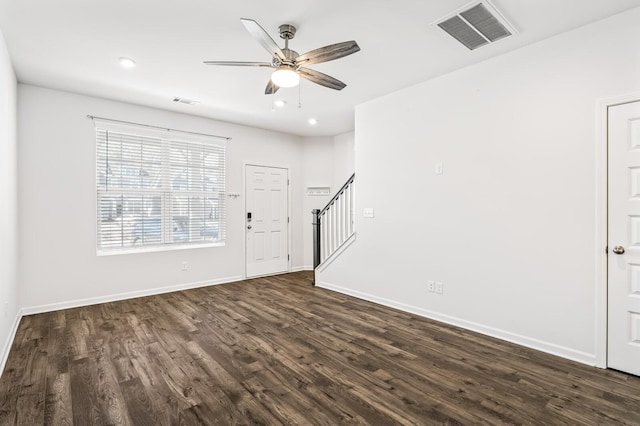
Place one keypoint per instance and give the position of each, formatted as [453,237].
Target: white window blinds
[158,188]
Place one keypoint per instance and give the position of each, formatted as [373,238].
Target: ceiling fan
[288,64]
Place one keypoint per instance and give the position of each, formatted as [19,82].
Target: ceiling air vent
[476,24]
[185,101]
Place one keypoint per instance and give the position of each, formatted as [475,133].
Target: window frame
[166,192]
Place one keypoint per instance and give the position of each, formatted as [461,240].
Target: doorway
[266,219]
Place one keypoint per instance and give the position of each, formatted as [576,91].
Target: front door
[266,220]
[623,349]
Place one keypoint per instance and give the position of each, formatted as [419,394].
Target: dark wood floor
[278,351]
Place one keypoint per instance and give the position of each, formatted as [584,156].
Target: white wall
[8,203]
[510,227]
[343,159]
[57,201]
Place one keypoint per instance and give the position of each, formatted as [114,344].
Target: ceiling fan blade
[263,38]
[239,64]
[328,53]
[271,88]
[322,79]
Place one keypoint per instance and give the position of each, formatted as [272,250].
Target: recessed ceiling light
[313,121]
[280,103]
[127,62]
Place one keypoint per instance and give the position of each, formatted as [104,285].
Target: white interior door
[623,349]
[266,220]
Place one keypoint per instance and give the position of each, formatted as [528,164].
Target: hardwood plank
[143,410]
[30,404]
[58,404]
[83,394]
[96,395]
[76,334]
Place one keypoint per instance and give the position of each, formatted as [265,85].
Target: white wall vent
[476,24]
[185,101]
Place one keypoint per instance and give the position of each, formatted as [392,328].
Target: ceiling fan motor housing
[287,31]
[291,55]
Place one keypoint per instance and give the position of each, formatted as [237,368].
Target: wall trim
[302,268]
[336,254]
[602,175]
[551,348]
[9,341]
[123,296]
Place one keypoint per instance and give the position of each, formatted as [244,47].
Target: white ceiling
[74,45]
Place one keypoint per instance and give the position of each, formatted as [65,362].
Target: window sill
[152,249]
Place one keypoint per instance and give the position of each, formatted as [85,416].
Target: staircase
[333,225]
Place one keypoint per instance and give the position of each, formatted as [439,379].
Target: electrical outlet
[431,285]
[439,287]
[185,267]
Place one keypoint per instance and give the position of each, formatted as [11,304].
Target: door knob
[618,250]
[249,227]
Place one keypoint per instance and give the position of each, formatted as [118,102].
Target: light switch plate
[439,168]
[367,212]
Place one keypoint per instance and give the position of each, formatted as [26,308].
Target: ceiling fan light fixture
[285,76]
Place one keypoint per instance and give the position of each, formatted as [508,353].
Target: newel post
[316,241]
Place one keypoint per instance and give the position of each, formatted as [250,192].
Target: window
[157,188]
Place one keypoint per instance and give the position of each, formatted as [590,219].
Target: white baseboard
[122,296]
[551,348]
[301,268]
[9,342]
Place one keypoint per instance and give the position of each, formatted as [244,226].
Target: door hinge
[288,258]
[288,182]
[606,250]
[288,220]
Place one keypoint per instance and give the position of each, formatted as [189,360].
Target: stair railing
[333,225]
